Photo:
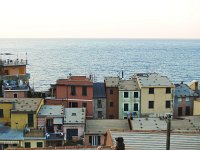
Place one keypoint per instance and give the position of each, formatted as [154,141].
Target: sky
[99,18]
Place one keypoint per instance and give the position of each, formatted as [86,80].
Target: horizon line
[97,38]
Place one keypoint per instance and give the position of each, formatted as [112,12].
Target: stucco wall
[159,97]
[6,111]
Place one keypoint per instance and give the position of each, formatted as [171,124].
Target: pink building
[74,92]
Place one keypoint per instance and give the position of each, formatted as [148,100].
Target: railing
[15,62]
[33,133]
[23,87]
[55,136]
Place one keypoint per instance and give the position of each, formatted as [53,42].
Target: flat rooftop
[51,110]
[101,126]
[74,115]
[152,79]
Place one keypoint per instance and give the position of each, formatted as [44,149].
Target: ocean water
[51,59]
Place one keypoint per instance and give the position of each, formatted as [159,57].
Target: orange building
[75,91]
[14,78]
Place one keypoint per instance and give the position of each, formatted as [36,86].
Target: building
[99,100]
[73,92]
[61,125]
[95,133]
[112,94]
[23,112]
[156,94]
[74,124]
[19,123]
[14,77]
[184,98]
[129,98]
[50,120]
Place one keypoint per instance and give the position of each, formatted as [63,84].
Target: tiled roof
[130,85]
[148,124]
[152,79]
[112,81]
[183,90]
[23,104]
[99,90]
[51,110]
[157,140]
[101,126]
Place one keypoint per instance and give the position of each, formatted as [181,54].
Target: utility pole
[168,133]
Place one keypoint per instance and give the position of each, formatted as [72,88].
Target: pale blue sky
[100,18]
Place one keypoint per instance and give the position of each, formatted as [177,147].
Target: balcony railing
[33,133]
[55,136]
[13,62]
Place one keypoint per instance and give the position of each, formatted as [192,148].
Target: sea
[52,59]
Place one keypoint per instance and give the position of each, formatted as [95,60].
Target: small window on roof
[73,114]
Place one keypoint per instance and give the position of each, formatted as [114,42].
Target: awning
[57,120]
[9,142]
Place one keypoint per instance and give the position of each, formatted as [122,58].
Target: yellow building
[5,111]
[156,94]
[196,110]
[20,112]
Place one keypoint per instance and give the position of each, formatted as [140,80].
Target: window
[15,95]
[125,94]
[151,90]
[135,94]
[111,116]
[73,90]
[99,104]
[168,90]
[126,107]
[187,110]
[111,91]
[27,145]
[84,104]
[151,104]
[73,104]
[73,114]
[30,120]
[49,122]
[187,99]
[100,114]
[1,113]
[135,107]
[95,140]
[111,104]
[39,144]
[179,99]
[167,104]
[84,91]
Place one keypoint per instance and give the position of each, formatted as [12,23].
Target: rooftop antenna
[26,58]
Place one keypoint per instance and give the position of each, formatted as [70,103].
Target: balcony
[15,77]
[55,136]
[33,133]
[13,62]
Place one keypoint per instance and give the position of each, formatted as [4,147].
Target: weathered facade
[129,98]
[156,94]
[74,92]
[112,94]
[99,100]
[15,79]
[184,98]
